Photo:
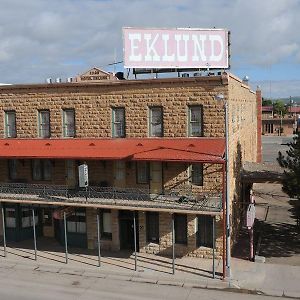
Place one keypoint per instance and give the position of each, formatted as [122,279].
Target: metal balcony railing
[171,198]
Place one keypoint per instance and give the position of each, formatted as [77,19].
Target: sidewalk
[268,279]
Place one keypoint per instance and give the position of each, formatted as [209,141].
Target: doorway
[127,230]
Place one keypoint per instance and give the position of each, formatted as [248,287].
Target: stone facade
[93,104]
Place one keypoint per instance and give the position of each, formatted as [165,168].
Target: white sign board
[83,175]
[176,48]
[250,215]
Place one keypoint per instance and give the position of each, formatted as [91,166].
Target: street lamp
[220,97]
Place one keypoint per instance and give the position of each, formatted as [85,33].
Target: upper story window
[196,174]
[195,120]
[118,122]
[10,124]
[69,123]
[41,169]
[12,169]
[142,172]
[44,123]
[156,121]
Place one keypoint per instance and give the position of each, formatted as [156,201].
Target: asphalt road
[34,285]
[271,145]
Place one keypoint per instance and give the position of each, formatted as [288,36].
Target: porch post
[98,238]
[173,245]
[214,246]
[66,238]
[4,233]
[34,235]
[135,247]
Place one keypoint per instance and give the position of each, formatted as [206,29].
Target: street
[30,285]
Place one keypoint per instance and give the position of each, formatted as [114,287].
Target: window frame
[40,124]
[76,218]
[152,218]
[203,223]
[65,125]
[190,122]
[178,218]
[105,235]
[41,165]
[151,123]
[114,122]
[14,163]
[146,169]
[6,125]
[192,172]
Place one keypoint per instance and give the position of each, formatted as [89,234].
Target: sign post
[250,222]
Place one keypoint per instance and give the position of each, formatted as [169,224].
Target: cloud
[41,39]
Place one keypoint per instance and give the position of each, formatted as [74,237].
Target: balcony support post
[98,238]
[66,237]
[173,245]
[214,245]
[34,235]
[135,246]
[4,231]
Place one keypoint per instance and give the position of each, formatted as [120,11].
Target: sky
[40,39]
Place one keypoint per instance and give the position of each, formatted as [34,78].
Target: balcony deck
[174,200]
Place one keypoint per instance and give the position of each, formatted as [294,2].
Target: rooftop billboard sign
[176,48]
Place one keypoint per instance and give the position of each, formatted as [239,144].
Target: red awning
[147,149]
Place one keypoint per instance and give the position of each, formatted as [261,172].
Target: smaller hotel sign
[175,48]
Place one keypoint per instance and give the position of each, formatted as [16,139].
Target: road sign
[250,215]
[83,175]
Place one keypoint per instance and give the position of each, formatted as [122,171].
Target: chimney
[259,124]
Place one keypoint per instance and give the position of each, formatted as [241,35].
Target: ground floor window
[77,222]
[106,230]
[205,231]
[152,227]
[27,218]
[10,217]
[180,223]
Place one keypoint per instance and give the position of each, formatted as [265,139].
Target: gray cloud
[41,39]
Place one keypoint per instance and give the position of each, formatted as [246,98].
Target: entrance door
[126,230]
[155,177]
[70,174]
[119,174]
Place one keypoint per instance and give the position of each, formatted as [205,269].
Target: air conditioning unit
[197,74]
[58,80]
[49,80]
[185,75]
[70,79]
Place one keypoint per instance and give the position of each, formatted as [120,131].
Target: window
[205,231]
[68,123]
[77,222]
[10,217]
[152,227]
[180,229]
[27,218]
[118,122]
[196,174]
[106,230]
[10,124]
[12,169]
[142,172]
[44,123]
[156,121]
[195,120]
[41,169]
